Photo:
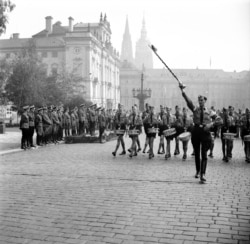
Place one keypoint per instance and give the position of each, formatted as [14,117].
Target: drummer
[161,129]
[214,130]
[178,127]
[245,133]
[201,137]
[187,125]
[135,123]
[151,123]
[120,122]
[168,121]
[232,128]
[145,114]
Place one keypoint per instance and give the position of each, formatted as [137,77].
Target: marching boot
[203,169]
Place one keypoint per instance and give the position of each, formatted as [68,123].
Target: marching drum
[185,136]
[169,132]
[120,132]
[152,130]
[229,136]
[133,132]
[247,138]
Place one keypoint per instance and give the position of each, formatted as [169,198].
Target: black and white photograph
[125,122]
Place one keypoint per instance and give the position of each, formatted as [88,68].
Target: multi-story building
[83,48]
[221,88]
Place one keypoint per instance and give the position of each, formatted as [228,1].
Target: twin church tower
[143,54]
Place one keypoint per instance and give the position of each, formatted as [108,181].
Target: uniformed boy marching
[201,137]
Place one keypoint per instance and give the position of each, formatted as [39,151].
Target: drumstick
[182,86]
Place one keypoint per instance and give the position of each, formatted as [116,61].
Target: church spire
[143,54]
[143,30]
[127,51]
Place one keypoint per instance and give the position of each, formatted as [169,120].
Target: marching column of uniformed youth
[201,136]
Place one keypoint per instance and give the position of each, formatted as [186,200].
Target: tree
[5,72]
[5,7]
[24,85]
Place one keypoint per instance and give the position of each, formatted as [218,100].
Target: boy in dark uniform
[24,127]
[101,123]
[39,126]
[120,122]
[31,115]
[201,137]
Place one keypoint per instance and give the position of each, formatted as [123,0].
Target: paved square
[80,193]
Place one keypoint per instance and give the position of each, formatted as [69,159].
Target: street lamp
[141,94]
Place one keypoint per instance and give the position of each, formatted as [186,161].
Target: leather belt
[200,126]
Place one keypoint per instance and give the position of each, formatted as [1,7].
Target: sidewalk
[10,141]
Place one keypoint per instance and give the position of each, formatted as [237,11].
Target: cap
[200,96]
[32,106]
[45,107]
[39,109]
[54,108]
[25,107]
[93,105]
[82,105]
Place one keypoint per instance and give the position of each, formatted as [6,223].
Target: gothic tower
[143,54]
[127,50]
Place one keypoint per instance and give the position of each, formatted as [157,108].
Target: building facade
[83,48]
[221,88]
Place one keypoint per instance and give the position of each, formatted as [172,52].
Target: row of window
[44,54]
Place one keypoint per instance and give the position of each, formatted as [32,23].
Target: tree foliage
[5,7]
[25,81]
[25,84]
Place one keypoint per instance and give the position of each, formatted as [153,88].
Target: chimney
[71,24]
[49,24]
[15,35]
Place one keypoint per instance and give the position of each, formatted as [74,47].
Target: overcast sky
[187,33]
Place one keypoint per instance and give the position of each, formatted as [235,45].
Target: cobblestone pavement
[80,193]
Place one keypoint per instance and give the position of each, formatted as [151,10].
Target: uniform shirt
[39,121]
[197,114]
[92,116]
[54,118]
[24,122]
[82,115]
[135,119]
[31,119]
[120,118]
[151,119]
[101,120]
[245,121]
[46,120]
[168,120]
[73,120]
[67,120]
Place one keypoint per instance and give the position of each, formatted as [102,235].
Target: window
[54,54]
[44,54]
[54,69]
